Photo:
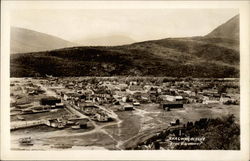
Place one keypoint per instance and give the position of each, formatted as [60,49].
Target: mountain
[24,40]
[228,30]
[210,57]
[111,40]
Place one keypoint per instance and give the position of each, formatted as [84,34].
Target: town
[113,113]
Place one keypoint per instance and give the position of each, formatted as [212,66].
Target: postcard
[125,80]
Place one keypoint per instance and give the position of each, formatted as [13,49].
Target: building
[59,105]
[174,123]
[210,102]
[133,83]
[50,101]
[101,117]
[135,88]
[167,98]
[122,87]
[69,96]
[83,124]
[171,105]
[136,103]
[39,109]
[179,98]
[52,123]
[124,99]
[172,98]
[87,107]
[127,107]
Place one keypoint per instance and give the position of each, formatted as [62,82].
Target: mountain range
[110,40]
[24,40]
[213,55]
[228,30]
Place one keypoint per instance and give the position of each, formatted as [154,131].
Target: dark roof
[50,98]
[83,121]
[169,102]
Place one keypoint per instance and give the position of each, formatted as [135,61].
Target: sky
[138,24]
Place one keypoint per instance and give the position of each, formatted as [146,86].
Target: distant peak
[229,29]
[27,40]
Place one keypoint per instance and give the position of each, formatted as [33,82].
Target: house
[127,107]
[68,96]
[61,125]
[27,111]
[86,106]
[179,98]
[173,123]
[133,83]
[210,93]
[88,92]
[126,99]
[144,97]
[83,124]
[136,103]
[103,95]
[231,102]
[33,92]
[167,98]
[59,105]
[39,109]
[20,118]
[147,87]
[52,123]
[116,102]
[122,87]
[135,88]
[101,117]
[152,92]
[210,102]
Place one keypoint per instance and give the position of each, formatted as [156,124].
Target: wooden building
[171,105]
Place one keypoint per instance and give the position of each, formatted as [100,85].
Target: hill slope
[142,59]
[228,30]
[176,57]
[24,40]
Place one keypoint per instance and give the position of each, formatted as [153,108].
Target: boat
[26,141]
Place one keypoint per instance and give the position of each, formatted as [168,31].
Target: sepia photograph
[125,79]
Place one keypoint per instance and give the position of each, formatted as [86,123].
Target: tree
[177,122]
[222,89]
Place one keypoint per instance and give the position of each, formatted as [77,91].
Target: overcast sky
[140,25]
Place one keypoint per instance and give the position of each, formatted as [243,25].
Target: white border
[243,154]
